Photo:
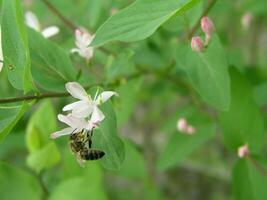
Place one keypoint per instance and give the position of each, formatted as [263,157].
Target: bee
[81,146]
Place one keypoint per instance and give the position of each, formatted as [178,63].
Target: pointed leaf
[139,20]
[15,46]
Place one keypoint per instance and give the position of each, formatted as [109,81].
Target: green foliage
[9,118]
[180,146]
[139,20]
[243,123]
[249,182]
[208,72]
[51,66]
[16,184]
[15,46]
[43,152]
[159,80]
[106,138]
[134,164]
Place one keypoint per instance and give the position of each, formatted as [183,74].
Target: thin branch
[260,168]
[114,82]
[41,96]
[54,10]
[205,12]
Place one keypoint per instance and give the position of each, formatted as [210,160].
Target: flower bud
[197,44]
[182,124]
[243,151]
[246,20]
[190,130]
[207,26]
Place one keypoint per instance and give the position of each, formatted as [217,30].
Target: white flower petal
[32,21]
[75,105]
[104,96]
[77,124]
[76,90]
[97,116]
[66,120]
[65,131]
[83,111]
[50,31]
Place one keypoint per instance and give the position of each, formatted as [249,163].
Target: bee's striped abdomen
[92,154]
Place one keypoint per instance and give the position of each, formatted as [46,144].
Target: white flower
[1,52]
[83,40]
[184,127]
[86,105]
[33,22]
[75,125]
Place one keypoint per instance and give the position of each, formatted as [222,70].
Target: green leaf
[139,20]
[41,124]
[127,100]
[51,66]
[121,66]
[181,145]
[243,123]
[134,164]
[15,46]
[82,188]
[43,152]
[44,158]
[260,94]
[208,72]
[106,139]
[9,118]
[16,183]
[249,182]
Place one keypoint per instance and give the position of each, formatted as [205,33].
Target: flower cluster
[208,28]
[84,114]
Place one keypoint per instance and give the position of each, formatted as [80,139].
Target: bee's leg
[73,131]
[89,138]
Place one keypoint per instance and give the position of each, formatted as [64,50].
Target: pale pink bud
[246,20]
[243,151]
[190,130]
[182,124]
[207,26]
[197,44]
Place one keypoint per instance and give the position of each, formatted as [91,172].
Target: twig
[205,12]
[53,9]
[116,81]
[260,168]
[41,96]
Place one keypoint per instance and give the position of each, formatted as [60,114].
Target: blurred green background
[157,164]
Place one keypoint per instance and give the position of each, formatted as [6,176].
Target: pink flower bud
[246,20]
[243,151]
[182,124]
[197,44]
[190,130]
[207,26]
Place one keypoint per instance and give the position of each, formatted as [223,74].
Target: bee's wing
[80,161]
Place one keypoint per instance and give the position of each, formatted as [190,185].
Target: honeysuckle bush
[175,91]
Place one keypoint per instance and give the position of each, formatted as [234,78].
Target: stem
[41,96]
[54,10]
[43,186]
[261,169]
[115,82]
[205,12]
